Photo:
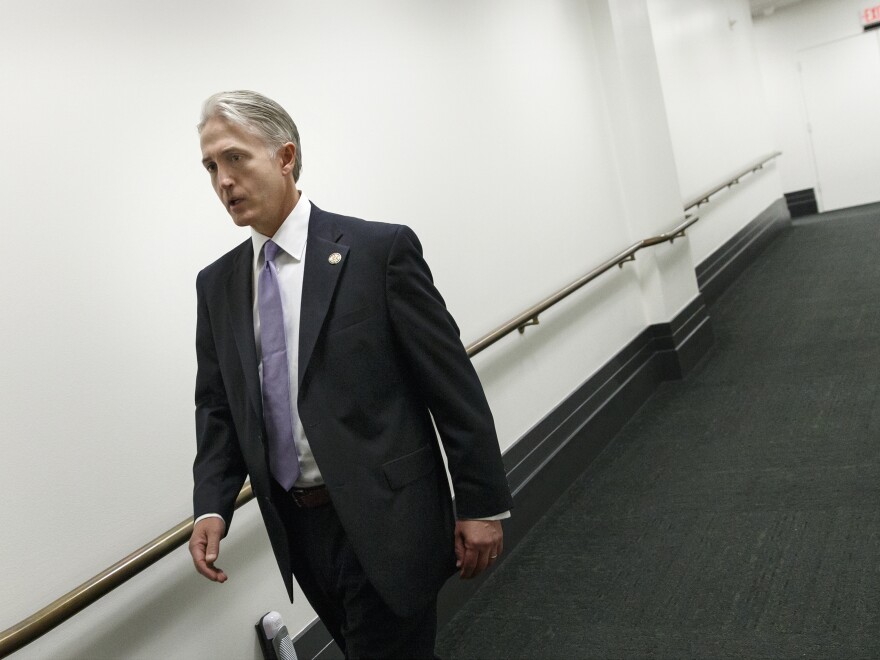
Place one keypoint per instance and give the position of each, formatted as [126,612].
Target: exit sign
[871,16]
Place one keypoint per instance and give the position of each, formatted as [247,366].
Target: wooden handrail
[78,599]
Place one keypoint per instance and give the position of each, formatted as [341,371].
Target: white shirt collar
[291,235]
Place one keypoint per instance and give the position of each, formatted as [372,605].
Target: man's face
[256,187]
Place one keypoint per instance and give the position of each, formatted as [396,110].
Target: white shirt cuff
[210,515]
[500,516]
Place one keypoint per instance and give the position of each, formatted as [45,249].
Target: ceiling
[767,7]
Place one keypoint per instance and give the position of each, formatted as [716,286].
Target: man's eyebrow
[234,147]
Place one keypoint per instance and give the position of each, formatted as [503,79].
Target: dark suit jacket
[378,356]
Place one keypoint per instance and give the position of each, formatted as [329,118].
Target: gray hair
[258,114]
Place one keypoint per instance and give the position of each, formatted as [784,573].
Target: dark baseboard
[802,202]
[718,270]
[682,342]
[548,458]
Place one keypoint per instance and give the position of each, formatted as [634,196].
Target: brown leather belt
[309,498]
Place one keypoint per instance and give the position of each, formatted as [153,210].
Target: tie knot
[271,250]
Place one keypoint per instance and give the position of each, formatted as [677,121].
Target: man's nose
[224,179]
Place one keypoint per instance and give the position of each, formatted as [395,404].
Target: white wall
[489,127]
[779,39]
[715,105]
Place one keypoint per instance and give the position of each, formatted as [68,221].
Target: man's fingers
[459,549]
[478,561]
[482,563]
[475,563]
[211,572]
[480,542]
[212,550]
[204,547]
[467,563]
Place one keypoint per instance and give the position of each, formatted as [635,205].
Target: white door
[841,83]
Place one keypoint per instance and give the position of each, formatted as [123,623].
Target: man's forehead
[219,135]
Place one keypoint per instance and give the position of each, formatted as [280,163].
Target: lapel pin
[335,258]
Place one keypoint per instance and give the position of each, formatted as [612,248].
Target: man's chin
[240,220]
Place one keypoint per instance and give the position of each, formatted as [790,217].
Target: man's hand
[204,546]
[477,544]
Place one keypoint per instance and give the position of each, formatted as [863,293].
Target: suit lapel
[319,282]
[239,291]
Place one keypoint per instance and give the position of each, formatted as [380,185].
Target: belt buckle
[309,498]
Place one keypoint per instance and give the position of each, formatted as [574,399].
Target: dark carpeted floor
[738,513]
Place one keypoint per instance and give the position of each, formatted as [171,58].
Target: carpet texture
[738,513]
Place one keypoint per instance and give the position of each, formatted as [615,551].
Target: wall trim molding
[545,461]
[802,202]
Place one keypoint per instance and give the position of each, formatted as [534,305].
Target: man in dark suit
[324,352]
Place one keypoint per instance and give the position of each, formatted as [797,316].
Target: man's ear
[287,156]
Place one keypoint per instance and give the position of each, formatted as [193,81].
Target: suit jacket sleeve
[430,340]
[219,469]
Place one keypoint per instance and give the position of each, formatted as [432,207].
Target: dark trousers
[336,586]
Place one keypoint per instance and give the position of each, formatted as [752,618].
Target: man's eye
[211,167]
[236,158]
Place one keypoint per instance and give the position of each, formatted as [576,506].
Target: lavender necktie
[283,461]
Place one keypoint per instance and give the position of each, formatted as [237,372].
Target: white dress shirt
[289,263]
